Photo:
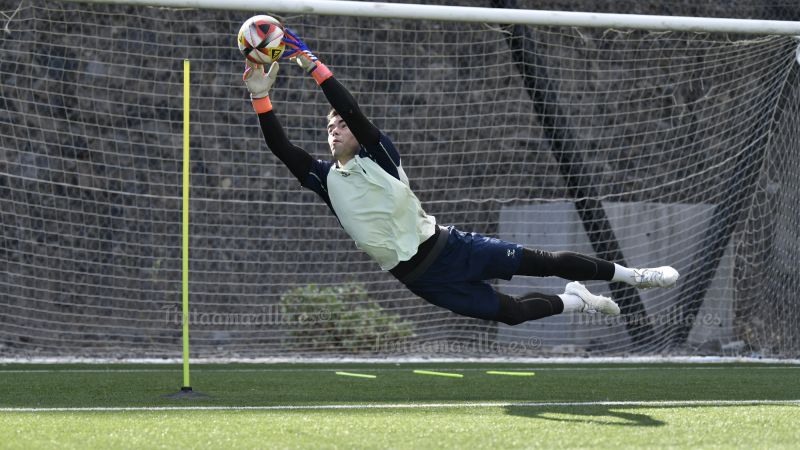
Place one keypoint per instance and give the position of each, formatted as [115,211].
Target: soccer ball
[261,39]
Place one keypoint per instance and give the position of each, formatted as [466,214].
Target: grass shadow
[595,415]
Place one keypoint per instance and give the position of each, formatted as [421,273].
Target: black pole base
[187,393]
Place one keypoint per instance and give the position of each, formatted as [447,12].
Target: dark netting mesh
[653,148]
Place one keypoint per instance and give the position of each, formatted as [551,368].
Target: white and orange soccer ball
[261,39]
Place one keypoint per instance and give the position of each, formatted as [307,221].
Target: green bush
[339,319]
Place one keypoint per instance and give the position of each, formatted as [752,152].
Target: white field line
[655,404]
[394,369]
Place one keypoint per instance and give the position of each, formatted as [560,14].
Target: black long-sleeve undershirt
[295,158]
[298,160]
[345,104]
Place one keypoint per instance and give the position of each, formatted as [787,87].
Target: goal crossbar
[487,15]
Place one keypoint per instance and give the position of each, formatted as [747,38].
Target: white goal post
[487,15]
[641,139]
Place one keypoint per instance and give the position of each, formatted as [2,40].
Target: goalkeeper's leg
[579,267]
[479,300]
[532,306]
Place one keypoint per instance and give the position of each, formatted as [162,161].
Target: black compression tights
[567,265]
[514,311]
[539,263]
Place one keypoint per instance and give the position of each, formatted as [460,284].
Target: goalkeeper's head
[343,144]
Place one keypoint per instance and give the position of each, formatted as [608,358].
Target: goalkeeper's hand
[298,51]
[259,84]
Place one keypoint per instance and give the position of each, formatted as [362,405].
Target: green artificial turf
[561,406]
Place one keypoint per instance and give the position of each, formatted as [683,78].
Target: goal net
[648,148]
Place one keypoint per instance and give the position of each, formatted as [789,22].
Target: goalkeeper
[365,187]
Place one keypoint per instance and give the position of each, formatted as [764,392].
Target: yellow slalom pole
[186,390]
[185,232]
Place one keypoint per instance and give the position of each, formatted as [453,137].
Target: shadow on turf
[597,415]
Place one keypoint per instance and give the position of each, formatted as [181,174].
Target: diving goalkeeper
[365,187]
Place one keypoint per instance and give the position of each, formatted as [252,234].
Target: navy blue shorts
[457,278]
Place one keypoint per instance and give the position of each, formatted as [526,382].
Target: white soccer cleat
[664,276]
[590,301]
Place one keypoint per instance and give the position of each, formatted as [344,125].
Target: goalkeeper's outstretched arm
[259,83]
[338,96]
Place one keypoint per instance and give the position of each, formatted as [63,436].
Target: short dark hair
[332,113]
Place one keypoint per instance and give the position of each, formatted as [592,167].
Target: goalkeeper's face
[344,145]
